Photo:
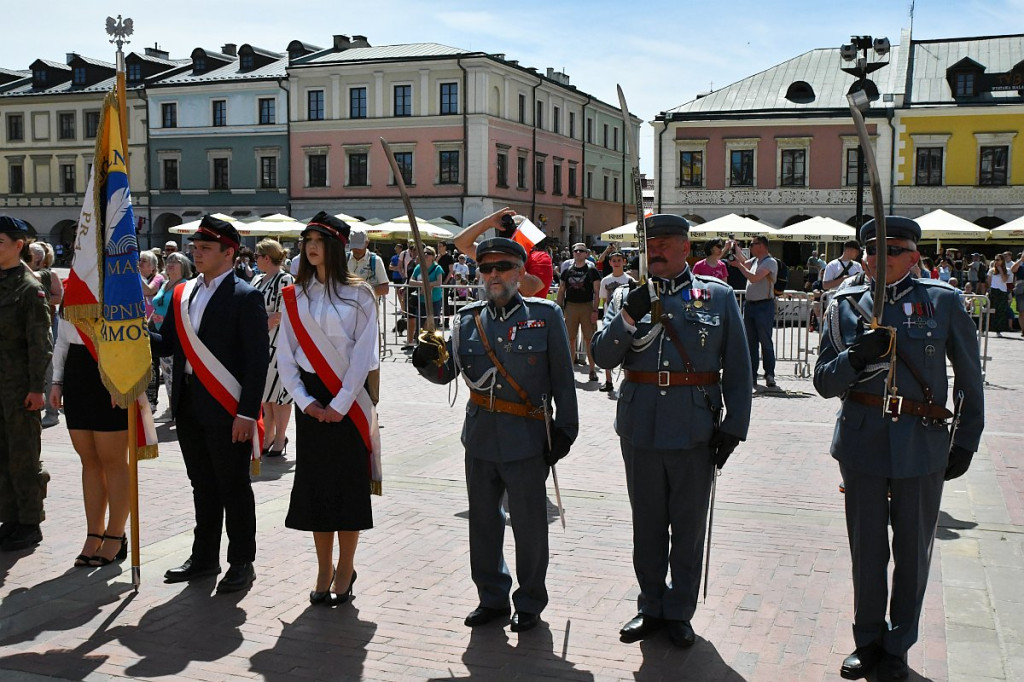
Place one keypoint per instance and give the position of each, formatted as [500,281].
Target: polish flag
[527,234]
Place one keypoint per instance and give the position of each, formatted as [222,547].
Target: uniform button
[529,348]
[498,386]
[500,340]
[665,363]
[616,341]
[664,392]
[844,418]
[929,333]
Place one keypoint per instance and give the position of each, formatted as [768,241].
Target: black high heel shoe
[271,452]
[326,597]
[82,560]
[121,555]
[345,596]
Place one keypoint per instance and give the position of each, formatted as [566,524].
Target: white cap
[357,239]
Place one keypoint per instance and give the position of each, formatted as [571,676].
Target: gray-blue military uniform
[904,453]
[665,424]
[506,437]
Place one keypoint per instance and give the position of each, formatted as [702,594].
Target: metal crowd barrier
[980,310]
[398,306]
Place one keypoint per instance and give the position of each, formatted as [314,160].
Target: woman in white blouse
[334,468]
[99,433]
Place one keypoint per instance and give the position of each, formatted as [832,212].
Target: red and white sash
[145,429]
[211,372]
[330,365]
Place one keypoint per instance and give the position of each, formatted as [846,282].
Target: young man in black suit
[216,329]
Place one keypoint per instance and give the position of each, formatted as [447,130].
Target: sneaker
[593,375]
[607,388]
[769,381]
[50,420]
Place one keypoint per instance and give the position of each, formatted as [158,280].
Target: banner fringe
[376,488]
[146,452]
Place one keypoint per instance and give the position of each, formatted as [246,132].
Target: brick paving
[778,605]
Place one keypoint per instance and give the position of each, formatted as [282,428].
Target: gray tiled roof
[66,87]
[94,62]
[15,72]
[766,91]
[161,61]
[228,72]
[355,54]
[931,59]
[53,65]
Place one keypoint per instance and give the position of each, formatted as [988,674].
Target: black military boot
[7,529]
[24,536]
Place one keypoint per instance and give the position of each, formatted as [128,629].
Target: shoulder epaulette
[934,283]
[534,300]
[852,289]
[472,306]
[708,279]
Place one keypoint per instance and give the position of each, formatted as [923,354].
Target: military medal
[703,336]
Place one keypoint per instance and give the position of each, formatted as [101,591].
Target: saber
[554,473]
[860,103]
[638,199]
[711,524]
[428,333]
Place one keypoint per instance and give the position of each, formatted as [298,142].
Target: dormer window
[295,54]
[79,75]
[39,78]
[134,73]
[199,64]
[800,92]
[247,61]
[966,84]
[867,85]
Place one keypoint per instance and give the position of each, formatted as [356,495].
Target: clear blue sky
[661,52]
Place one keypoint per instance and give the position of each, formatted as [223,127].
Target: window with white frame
[994,158]
[792,161]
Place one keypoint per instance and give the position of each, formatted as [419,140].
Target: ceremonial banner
[527,234]
[104,293]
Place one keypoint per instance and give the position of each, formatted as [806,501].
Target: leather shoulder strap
[523,395]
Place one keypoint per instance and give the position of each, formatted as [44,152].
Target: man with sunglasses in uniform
[514,355]
[895,450]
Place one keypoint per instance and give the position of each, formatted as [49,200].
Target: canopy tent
[622,233]
[277,225]
[192,226]
[942,225]
[399,227]
[1013,230]
[816,229]
[731,224]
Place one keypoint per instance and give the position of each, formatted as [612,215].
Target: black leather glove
[722,444]
[959,462]
[424,355]
[871,347]
[560,444]
[637,303]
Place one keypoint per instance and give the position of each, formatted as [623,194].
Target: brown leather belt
[673,378]
[505,406]
[900,405]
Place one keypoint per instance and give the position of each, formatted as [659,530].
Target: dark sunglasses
[579,250]
[500,266]
[890,249]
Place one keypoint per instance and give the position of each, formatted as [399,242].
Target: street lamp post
[864,55]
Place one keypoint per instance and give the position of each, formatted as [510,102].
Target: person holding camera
[761,271]
[896,451]
[514,355]
[685,362]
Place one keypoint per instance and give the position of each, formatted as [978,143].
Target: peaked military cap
[896,227]
[13,226]
[216,230]
[501,245]
[665,224]
[329,226]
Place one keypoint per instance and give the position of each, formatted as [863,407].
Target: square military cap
[216,230]
[329,226]
[666,224]
[14,227]
[501,245]
[896,227]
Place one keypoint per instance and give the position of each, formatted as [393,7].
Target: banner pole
[133,477]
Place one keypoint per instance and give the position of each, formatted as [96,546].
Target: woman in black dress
[99,433]
[336,443]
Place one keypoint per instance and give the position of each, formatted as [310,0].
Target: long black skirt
[86,400]
[331,488]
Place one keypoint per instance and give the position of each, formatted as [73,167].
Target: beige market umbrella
[190,227]
[1013,230]
[816,229]
[731,224]
[942,225]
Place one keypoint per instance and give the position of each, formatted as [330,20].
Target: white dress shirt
[67,335]
[348,317]
[197,306]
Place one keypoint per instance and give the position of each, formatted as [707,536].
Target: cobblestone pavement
[779,604]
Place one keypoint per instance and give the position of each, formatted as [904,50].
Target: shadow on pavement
[490,655]
[321,643]
[664,661]
[948,527]
[66,664]
[274,468]
[193,626]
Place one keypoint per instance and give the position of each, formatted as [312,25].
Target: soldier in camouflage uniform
[26,346]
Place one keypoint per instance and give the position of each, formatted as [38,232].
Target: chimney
[230,49]
[69,57]
[360,41]
[499,55]
[551,73]
[342,42]
[155,51]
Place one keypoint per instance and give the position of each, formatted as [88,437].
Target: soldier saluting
[514,355]
[682,368]
[892,437]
